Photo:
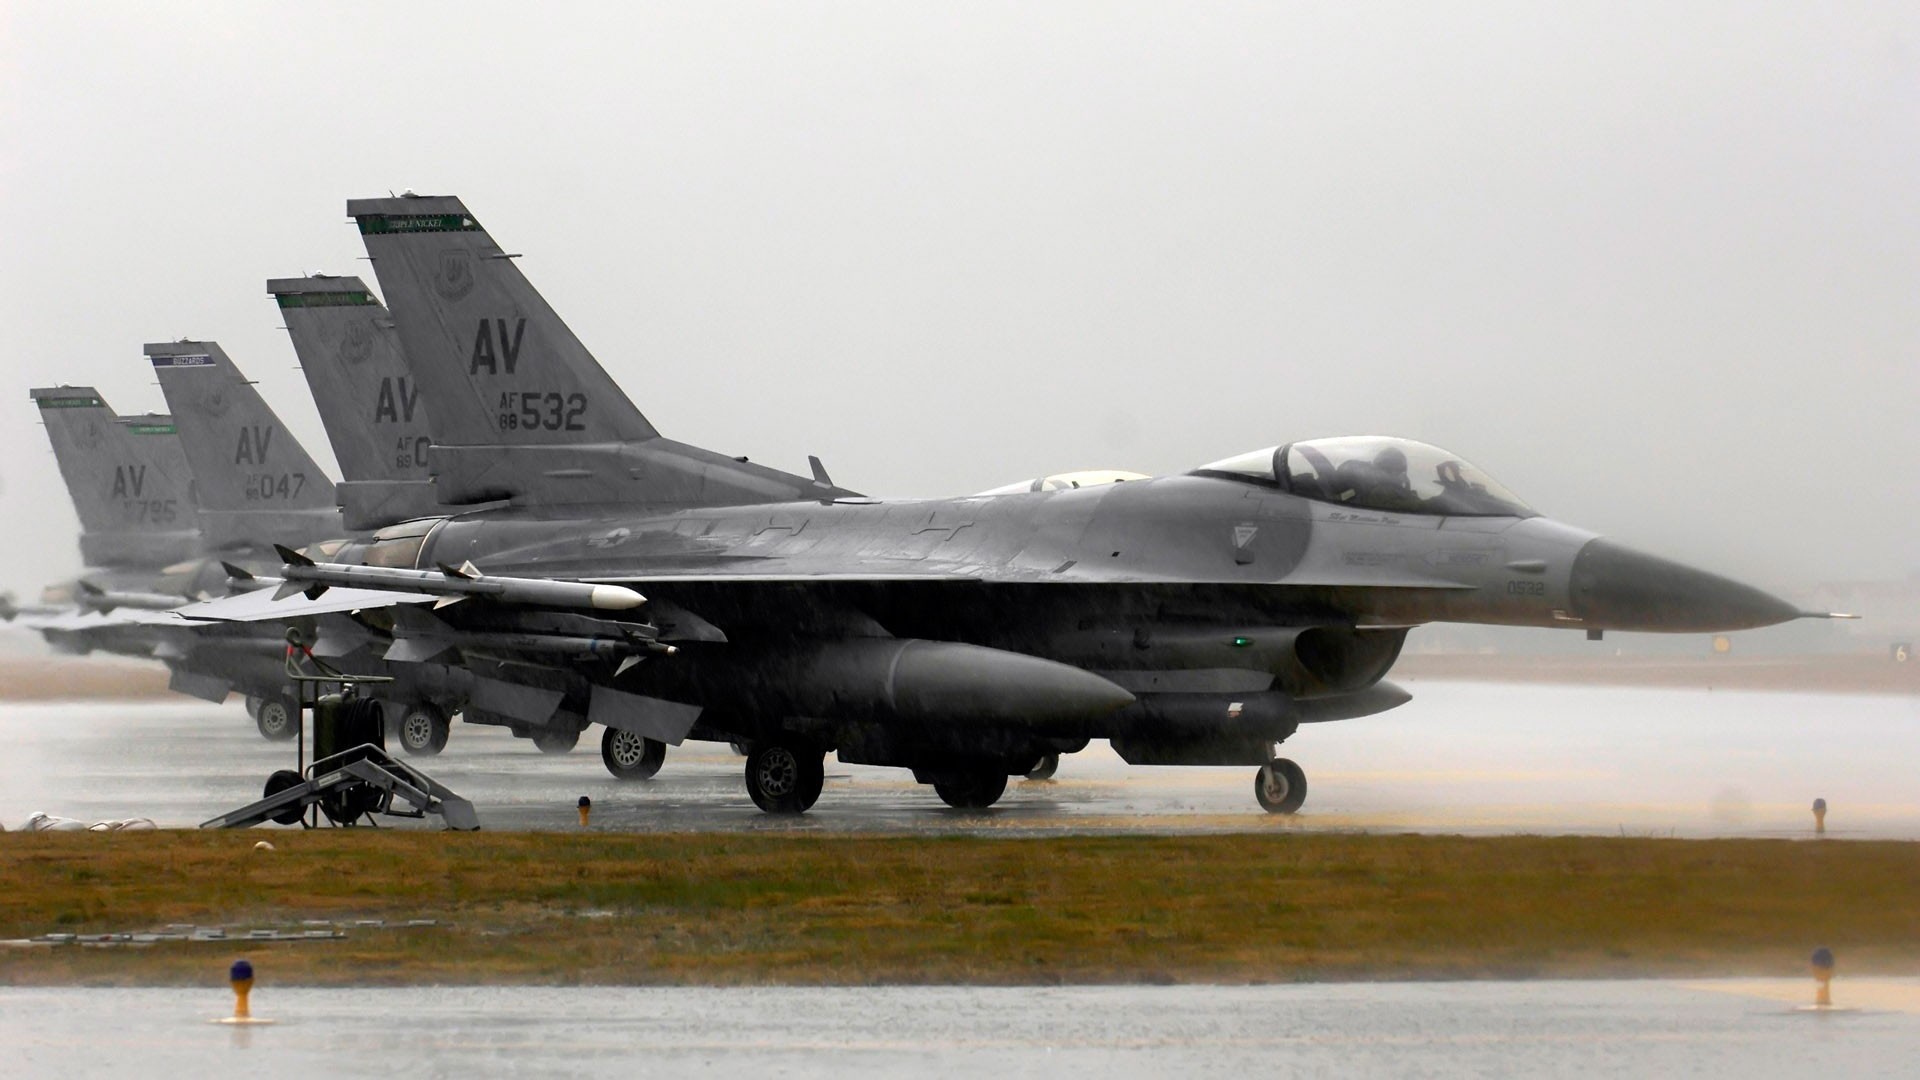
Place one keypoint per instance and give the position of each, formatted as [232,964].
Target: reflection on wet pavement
[1361,1029]
[1462,757]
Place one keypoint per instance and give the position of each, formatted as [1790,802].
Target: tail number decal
[129,481]
[264,487]
[494,347]
[152,511]
[397,398]
[537,410]
[252,448]
[411,451]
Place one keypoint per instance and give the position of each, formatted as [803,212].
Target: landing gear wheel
[281,780]
[630,755]
[253,706]
[422,731]
[552,741]
[1281,786]
[976,792]
[785,778]
[278,719]
[1044,768]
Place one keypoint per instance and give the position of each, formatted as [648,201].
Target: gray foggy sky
[1656,267]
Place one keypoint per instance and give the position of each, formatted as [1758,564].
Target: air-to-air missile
[301,574]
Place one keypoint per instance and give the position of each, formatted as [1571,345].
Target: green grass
[724,909]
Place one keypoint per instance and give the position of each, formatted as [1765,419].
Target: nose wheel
[1281,786]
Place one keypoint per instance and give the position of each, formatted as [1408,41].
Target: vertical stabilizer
[373,411]
[519,408]
[254,482]
[127,477]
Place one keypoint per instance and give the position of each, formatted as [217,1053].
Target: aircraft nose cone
[1617,588]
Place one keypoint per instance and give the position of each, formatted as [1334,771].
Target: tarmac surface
[1747,1028]
[1461,758]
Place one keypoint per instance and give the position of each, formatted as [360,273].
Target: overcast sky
[1656,267]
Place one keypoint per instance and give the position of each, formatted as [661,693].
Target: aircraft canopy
[1376,472]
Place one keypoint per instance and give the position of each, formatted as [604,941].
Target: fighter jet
[1198,618]
[128,479]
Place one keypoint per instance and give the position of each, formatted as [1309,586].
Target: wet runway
[1734,1028]
[1462,757]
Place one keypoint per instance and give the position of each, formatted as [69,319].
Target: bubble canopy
[1375,472]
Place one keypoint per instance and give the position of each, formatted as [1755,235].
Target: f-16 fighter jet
[1199,618]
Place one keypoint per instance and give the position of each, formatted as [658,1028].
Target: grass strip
[623,908]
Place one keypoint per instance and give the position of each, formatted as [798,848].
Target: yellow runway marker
[240,977]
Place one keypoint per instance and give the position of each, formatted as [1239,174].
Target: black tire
[785,777]
[422,730]
[253,706]
[278,718]
[1045,767]
[976,792]
[556,740]
[344,806]
[630,755]
[281,780]
[1281,787]
[738,748]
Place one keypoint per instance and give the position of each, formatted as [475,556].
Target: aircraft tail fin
[373,411]
[127,477]
[254,482]
[519,408]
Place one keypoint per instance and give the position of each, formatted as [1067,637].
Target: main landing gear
[973,790]
[1281,786]
[277,717]
[784,776]
[422,730]
[630,755]
[556,740]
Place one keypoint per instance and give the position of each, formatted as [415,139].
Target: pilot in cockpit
[1381,484]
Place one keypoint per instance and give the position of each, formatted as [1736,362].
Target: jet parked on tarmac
[1198,618]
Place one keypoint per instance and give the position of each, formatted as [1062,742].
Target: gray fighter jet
[128,480]
[373,414]
[1192,619]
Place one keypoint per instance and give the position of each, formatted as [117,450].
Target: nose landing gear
[1280,786]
